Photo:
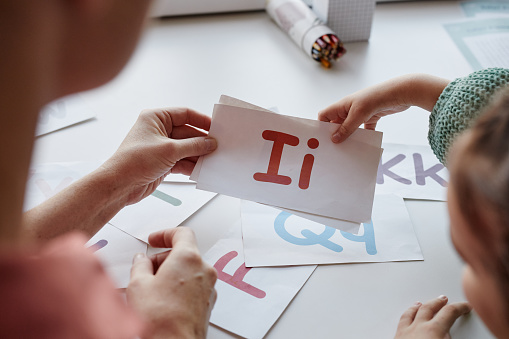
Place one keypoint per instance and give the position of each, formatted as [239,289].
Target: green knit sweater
[461,102]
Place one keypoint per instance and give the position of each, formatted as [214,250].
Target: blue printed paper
[276,238]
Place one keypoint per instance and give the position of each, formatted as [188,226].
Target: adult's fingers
[185,148]
[446,317]
[184,166]
[428,310]
[187,116]
[186,131]
[212,302]
[158,258]
[407,318]
[142,267]
[175,117]
[176,238]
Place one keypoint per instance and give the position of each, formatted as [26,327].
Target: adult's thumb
[142,266]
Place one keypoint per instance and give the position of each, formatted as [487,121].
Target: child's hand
[367,106]
[431,320]
[173,292]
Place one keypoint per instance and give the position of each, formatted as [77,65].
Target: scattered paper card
[176,177]
[167,207]
[412,172]
[114,247]
[116,250]
[483,42]
[274,238]
[63,113]
[46,180]
[481,8]
[343,225]
[291,163]
[250,300]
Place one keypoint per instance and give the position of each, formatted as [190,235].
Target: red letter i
[307,165]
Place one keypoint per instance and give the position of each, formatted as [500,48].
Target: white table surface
[191,61]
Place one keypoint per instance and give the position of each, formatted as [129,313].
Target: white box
[350,19]
[187,7]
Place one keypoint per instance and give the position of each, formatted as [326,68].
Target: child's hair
[481,185]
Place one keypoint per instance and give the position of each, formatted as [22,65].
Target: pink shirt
[61,291]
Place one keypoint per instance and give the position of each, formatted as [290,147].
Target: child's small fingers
[371,123]
[328,114]
[428,310]
[407,318]
[352,121]
[446,317]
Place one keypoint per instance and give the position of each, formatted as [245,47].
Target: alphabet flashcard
[250,300]
[412,172]
[167,207]
[343,225]
[63,113]
[177,177]
[273,237]
[114,247]
[291,163]
[46,180]
[116,250]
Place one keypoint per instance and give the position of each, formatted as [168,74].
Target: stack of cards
[291,163]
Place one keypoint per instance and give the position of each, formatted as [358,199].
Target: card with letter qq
[291,163]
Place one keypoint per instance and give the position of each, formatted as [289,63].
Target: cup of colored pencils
[306,30]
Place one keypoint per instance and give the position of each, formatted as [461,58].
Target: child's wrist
[423,90]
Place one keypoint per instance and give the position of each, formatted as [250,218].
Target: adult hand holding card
[291,163]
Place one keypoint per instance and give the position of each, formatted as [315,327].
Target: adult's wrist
[108,185]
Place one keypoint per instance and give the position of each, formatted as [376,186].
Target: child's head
[479,213]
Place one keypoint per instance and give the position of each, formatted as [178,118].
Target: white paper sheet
[476,8]
[63,113]
[167,207]
[275,238]
[46,180]
[361,135]
[483,42]
[343,225]
[249,301]
[230,101]
[339,183]
[412,172]
[176,177]
[116,250]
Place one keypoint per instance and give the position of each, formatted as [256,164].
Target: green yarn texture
[461,102]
